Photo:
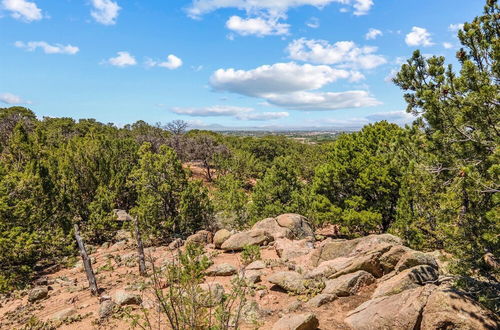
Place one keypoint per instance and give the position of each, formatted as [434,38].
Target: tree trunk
[140,249]
[86,263]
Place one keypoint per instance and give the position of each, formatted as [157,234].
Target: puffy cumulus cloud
[343,53]
[323,100]
[455,27]
[290,85]
[23,10]
[172,62]
[9,98]
[259,26]
[201,7]
[122,59]
[105,11]
[418,37]
[373,34]
[47,48]
[240,113]
[276,78]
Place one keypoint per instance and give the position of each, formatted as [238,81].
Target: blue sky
[247,63]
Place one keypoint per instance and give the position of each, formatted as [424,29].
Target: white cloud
[9,98]
[323,100]
[447,45]
[201,7]
[276,78]
[47,48]
[393,116]
[289,85]
[455,27]
[240,113]
[105,11]
[172,62]
[391,75]
[259,26]
[23,10]
[373,34]
[343,53]
[313,23]
[122,60]
[418,37]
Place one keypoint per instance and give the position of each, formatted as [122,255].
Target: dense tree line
[434,183]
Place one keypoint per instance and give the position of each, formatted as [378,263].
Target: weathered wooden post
[86,262]
[140,249]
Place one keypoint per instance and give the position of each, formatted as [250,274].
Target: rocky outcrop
[349,284]
[400,311]
[407,279]
[252,237]
[306,321]
[447,308]
[414,258]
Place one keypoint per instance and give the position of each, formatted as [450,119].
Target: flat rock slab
[289,281]
[306,321]
[224,269]
[349,284]
[407,279]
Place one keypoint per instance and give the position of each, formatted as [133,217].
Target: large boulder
[390,259]
[329,267]
[220,237]
[367,262]
[38,293]
[252,237]
[297,224]
[289,281]
[407,279]
[307,321]
[200,237]
[400,311]
[288,249]
[414,258]
[355,247]
[447,308]
[272,227]
[349,284]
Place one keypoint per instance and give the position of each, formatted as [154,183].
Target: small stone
[256,265]
[221,270]
[127,298]
[321,299]
[306,321]
[107,309]
[293,307]
[38,293]
[64,314]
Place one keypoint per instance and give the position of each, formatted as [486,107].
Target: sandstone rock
[273,228]
[289,281]
[200,237]
[443,260]
[329,267]
[251,312]
[220,237]
[447,308]
[256,265]
[288,249]
[390,259]
[251,276]
[123,298]
[400,311]
[211,294]
[175,244]
[221,270]
[306,321]
[38,293]
[349,284]
[407,279]
[297,224]
[415,258]
[64,314]
[106,309]
[355,247]
[252,237]
[368,262]
[321,299]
